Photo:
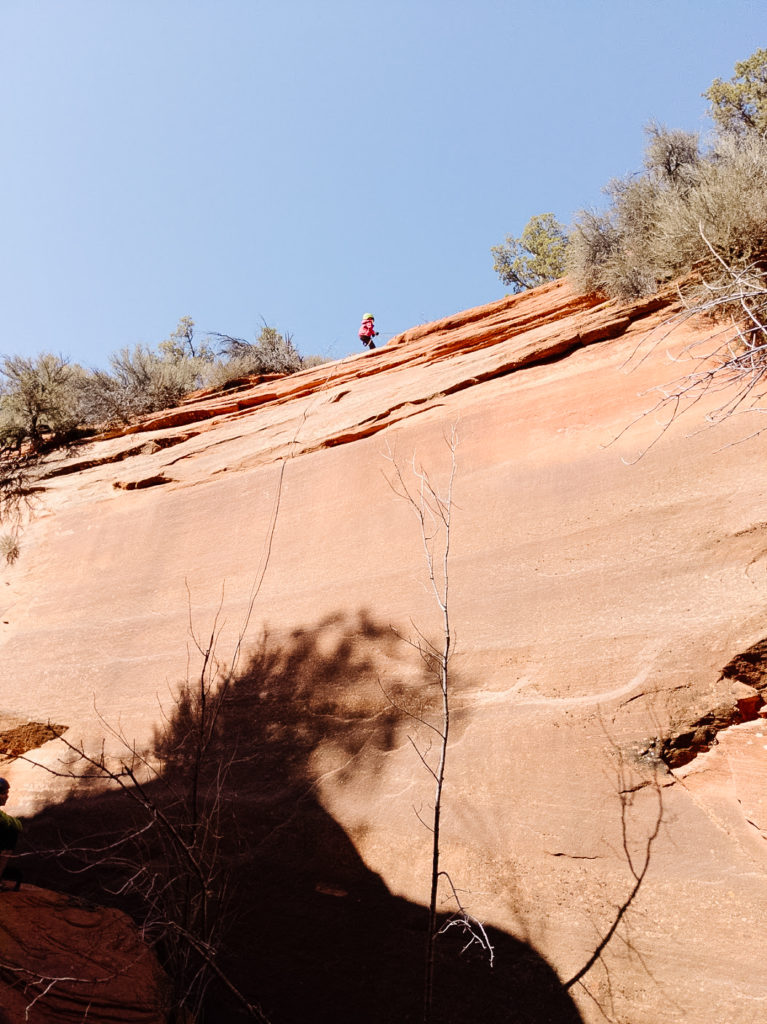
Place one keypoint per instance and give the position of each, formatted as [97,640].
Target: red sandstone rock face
[61,961]
[595,603]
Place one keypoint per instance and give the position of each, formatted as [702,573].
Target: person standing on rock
[10,830]
[368,330]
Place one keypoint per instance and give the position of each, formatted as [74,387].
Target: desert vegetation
[46,401]
[693,218]
[534,258]
[691,210]
[696,207]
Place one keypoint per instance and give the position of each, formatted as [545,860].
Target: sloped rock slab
[63,962]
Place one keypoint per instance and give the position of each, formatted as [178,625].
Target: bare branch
[730,358]
[432,508]
[410,714]
[468,924]
[638,871]
[423,760]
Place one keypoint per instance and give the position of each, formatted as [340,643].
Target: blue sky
[302,162]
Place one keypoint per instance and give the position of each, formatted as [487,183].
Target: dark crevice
[145,448]
[750,666]
[147,481]
[742,684]
[572,856]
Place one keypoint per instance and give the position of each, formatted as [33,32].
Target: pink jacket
[367,328]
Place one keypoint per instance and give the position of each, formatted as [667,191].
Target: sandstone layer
[63,961]
[606,770]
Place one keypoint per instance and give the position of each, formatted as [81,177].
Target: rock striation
[608,589]
[62,961]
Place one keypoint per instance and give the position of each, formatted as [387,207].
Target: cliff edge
[604,726]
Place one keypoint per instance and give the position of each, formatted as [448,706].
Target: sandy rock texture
[63,961]
[607,765]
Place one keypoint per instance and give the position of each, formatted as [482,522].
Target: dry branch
[433,509]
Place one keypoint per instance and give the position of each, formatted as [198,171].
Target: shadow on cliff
[312,934]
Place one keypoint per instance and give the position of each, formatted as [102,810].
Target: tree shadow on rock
[294,917]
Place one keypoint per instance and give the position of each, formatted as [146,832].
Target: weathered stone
[596,598]
[748,700]
[63,962]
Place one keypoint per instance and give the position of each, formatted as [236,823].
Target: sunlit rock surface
[596,599]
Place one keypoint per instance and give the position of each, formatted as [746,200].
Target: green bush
[740,105]
[534,258]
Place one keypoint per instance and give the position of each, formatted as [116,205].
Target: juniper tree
[534,258]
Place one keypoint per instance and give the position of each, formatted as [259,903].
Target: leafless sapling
[433,507]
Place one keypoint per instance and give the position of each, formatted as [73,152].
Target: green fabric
[10,830]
